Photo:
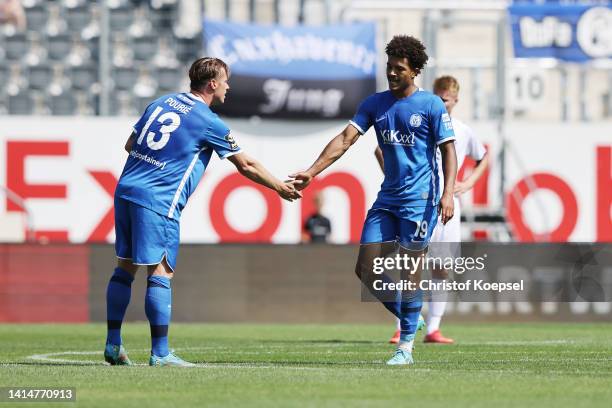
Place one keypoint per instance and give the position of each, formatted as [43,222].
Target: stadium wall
[558,180]
[240,283]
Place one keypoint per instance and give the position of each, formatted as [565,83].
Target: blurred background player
[317,227]
[448,236]
[411,125]
[169,149]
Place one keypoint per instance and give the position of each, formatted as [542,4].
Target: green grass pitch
[492,365]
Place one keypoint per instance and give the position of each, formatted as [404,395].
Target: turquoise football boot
[171,360]
[420,323]
[401,357]
[116,355]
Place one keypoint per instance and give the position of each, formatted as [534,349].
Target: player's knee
[127,266]
[161,269]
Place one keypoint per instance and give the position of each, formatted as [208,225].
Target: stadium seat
[59,46]
[63,104]
[165,56]
[39,76]
[79,53]
[124,77]
[36,14]
[144,46]
[168,79]
[20,104]
[121,15]
[91,32]
[188,48]
[59,83]
[40,104]
[36,52]
[77,14]
[14,44]
[145,85]
[122,104]
[163,13]
[55,24]
[83,76]
[17,82]
[84,103]
[3,75]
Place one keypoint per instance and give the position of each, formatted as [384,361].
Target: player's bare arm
[467,184]
[130,142]
[449,168]
[332,152]
[379,158]
[253,170]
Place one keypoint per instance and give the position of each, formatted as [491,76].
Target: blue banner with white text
[294,72]
[577,31]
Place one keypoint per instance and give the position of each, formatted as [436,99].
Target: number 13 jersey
[173,143]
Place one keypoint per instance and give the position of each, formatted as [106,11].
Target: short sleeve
[363,118]
[137,128]
[218,138]
[441,124]
[475,149]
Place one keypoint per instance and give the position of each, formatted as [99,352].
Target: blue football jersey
[409,131]
[175,139]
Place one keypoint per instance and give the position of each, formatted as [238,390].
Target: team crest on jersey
[415,120]
[446,120]
[232,142]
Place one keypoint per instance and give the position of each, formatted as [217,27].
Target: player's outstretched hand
[301,179]
[462,187]
[288,192]
[446,209]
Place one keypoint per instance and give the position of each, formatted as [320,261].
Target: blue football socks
[158,302]
[118,295]
[410,311]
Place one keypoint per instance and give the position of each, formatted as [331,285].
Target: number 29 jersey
[408,130]
[174,141]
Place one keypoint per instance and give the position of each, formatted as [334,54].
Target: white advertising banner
[558,181]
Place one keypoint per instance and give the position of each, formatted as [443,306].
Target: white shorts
[446,239]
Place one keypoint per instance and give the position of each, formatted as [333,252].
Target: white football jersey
[466,145]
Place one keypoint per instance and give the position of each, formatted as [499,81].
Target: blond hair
[446,83]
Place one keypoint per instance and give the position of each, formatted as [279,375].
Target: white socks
[437,304]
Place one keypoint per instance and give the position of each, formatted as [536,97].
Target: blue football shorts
[144,236]
[411,226]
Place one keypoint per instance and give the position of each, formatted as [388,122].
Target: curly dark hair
[406,46]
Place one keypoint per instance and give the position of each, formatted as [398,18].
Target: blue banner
[576,31]
[344,51]
[304,72]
